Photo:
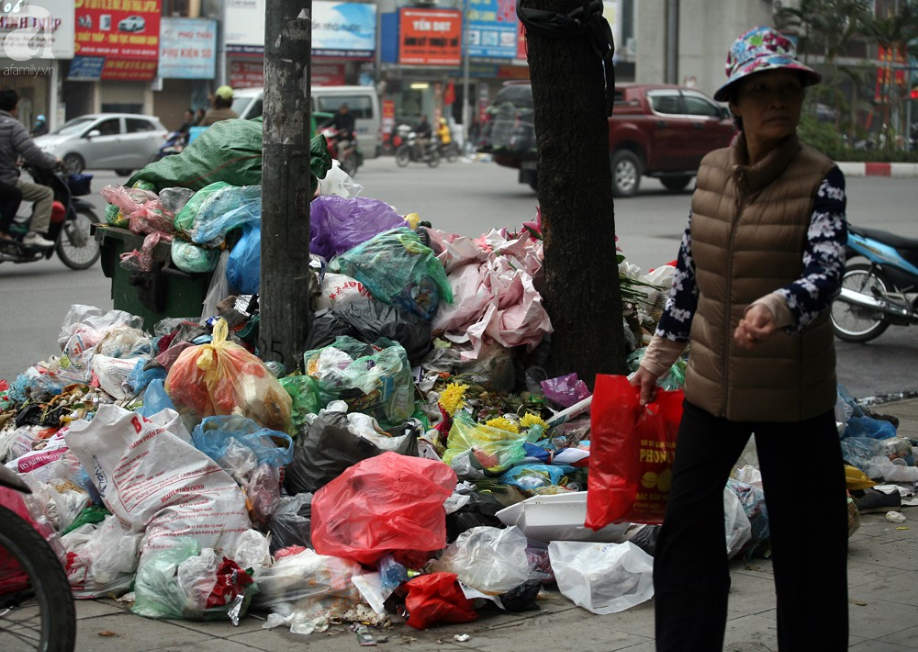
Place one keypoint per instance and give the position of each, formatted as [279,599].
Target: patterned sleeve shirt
[807,297]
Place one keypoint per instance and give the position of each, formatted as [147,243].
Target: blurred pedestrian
[220,107]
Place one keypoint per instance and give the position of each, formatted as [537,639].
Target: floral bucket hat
[761,49]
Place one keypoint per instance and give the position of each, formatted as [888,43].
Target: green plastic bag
[184,221]
[304,392]
[374,380]
[186,582]
[397,269]
[229,150]
[476,451]
[193,259]
[115,217]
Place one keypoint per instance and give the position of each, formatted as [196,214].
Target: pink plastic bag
[386,503]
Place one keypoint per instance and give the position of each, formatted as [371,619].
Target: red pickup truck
[657,130]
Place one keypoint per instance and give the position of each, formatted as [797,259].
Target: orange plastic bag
[631,453]
[223,378]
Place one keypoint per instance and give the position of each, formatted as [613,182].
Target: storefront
[36,42]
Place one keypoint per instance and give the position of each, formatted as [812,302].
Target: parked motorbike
[343,148]
[71,218]
[879,293]
[36,605]
[410,151]
[173,143]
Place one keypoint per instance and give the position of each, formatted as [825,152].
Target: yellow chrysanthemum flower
[503,424]
[452,399]
[530,419]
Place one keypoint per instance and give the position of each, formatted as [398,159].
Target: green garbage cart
[155,295]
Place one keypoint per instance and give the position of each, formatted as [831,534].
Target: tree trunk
[581,292]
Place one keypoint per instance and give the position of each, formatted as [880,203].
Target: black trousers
[804,481]
[10,198]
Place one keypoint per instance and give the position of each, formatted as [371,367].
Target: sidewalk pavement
[879,169]
[882,581]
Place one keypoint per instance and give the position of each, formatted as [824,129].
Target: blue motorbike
[879,292]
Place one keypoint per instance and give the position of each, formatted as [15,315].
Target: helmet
[58,212]
[40,118]
[442,121]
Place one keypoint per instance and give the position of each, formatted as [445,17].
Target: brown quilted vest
[749,227]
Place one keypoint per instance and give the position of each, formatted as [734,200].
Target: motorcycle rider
[221,107]
[15,142]
[443,133]
[423,132]
[40,128]
[343,122]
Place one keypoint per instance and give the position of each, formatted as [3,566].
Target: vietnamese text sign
[36,30]
[493,28]
[343,29]
[120,30]
[431,37]
[244,26]
[187,48]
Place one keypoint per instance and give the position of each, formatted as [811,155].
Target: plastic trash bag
[340,289]
[223,378]
[193,584]
[101,558]
[533,477]
[337,224]
[339,183]
[396,268]
[736,523]
[305,589]
[214,435]
[193,259]
[375,380]
[475,451]
[437,598]
[218,289]
[490,559]
[603,578]
[386,503]
[331,444]
[480,510]
[243,269]
[565,390]
[291,523]
[372,320]
[631,453]
[155,399]
[305,396]
[228,151]
[174,199]
[753,501]
[186,217]
[225,210]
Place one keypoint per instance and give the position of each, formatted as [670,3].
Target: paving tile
[878,646]
[863,574]
[751,634]
[95,608]
[129,633]
[906,638]
[898,587]
[881,618]
[222,628]
[343,640]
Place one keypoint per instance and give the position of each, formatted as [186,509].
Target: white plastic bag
[102,558]
[736,523]
[152,478]
[338,182]
[603,578]
[490,559]
[340,290]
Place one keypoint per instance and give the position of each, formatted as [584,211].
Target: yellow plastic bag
[223,378]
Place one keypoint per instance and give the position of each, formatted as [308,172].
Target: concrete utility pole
[284,300]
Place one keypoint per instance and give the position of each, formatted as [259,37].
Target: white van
[361,100]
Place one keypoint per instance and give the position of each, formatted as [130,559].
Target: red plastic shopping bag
[631,453]
[437,598]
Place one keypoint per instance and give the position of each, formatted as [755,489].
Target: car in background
[122,142]
[132,24]
[655,130]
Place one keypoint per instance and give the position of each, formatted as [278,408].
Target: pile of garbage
[418,465]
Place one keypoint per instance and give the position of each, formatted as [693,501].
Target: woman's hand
[648,384]
[757,325]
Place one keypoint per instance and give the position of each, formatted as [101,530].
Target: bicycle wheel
[36,606]
[856,323]
[76,247]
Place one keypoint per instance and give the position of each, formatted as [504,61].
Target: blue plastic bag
[140,378]
[338,224]
[243,268]
[214,436]
[225,210]
[155,399]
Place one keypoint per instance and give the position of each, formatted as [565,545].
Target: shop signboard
[36,30]
[187,48]
[124,32]
[430,37]
[493,28]
[244,27]
[86,69]
[343,29]
[247,74]
[326,74]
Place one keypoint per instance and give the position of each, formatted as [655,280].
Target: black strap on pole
[586,19]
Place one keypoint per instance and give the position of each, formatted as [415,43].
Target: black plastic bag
[374,319]
[327,448]
[480,510]
[291,523]
[523,597]
[326,327]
